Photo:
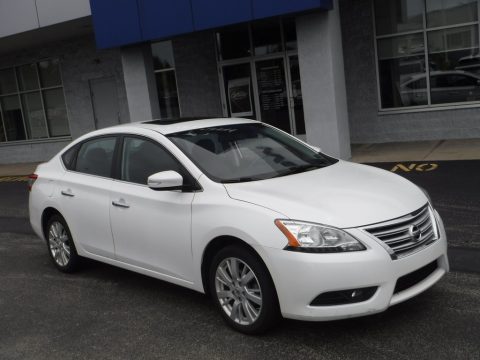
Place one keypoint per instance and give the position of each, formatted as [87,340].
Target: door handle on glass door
[120,203]
[67,193]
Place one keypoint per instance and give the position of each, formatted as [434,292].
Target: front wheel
[243,290]
[60,245]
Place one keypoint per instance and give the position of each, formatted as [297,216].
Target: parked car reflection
[445,87]
[470,63]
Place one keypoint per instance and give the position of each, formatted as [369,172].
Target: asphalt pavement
[103,312]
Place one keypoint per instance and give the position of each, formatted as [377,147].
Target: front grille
[412,279]
[397,233]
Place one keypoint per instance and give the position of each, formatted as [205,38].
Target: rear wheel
[60,245]
[243,290]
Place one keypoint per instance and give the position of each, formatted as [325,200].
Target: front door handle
[67,193]
[120,203]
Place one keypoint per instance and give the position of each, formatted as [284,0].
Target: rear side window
[95,157]
[68,157]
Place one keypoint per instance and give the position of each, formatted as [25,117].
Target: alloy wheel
[59,243]
[238,291]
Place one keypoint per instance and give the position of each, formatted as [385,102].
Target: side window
[142,158]
[68,157]
[95,157]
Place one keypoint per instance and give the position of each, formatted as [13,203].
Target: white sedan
[237,209]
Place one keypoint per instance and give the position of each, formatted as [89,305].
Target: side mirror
[316,148]
[165,180]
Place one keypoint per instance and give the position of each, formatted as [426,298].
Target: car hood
[342,195]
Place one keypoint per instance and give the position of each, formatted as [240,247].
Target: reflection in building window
[164,68]
[32,104]
[427,52]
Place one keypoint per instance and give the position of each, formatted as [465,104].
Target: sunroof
[178,120]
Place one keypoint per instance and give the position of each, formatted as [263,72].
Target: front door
[151,229]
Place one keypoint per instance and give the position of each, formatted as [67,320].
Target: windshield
[247,152]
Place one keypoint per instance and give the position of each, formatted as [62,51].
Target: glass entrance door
[237,81]
[259,73]
[268,90]
[296,100]
[273,95]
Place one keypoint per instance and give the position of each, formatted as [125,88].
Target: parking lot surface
[104,312]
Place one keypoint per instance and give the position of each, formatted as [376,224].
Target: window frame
[115,171]
[18,93]
[424,31]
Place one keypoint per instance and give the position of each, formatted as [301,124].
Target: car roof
[419,76]
[170,126]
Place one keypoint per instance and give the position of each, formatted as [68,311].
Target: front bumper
[301,277]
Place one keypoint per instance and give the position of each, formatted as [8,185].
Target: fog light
[343,297]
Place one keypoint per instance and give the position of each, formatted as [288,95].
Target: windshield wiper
[290,171]
[241,179]
[300,169]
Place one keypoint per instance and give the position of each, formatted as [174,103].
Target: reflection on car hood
[341,195]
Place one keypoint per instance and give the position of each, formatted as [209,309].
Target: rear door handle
[67,193]
[120,203]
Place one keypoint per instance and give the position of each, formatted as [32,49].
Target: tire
[249,306]
[60,245]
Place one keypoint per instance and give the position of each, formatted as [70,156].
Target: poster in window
[239,97]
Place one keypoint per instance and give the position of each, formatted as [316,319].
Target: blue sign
[123,22]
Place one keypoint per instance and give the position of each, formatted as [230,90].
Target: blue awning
[122,22]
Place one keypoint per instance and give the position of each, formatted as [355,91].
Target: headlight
[309,237]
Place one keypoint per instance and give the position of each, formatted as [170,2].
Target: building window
[32,104]
[164,68]
[261,38]
[427,52]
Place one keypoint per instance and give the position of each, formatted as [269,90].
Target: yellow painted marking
[424,167]
[13,178]
[403,167]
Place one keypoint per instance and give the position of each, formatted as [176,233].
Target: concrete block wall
[23,15]
[197,74]
[367,124]
[80,62]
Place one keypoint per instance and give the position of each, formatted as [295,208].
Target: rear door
[151,229]
[85,196]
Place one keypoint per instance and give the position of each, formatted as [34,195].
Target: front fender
[248,222]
